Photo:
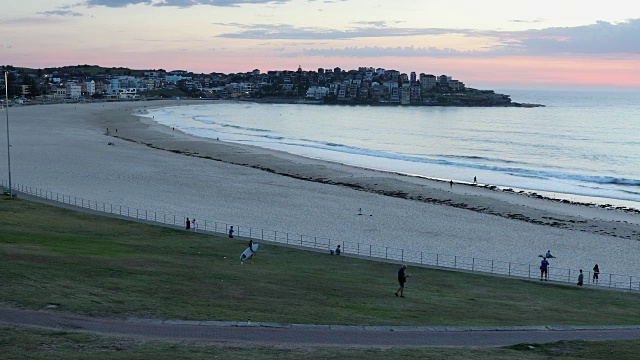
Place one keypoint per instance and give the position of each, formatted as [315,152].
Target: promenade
[333,335]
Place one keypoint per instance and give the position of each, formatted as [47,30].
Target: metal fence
[472,264]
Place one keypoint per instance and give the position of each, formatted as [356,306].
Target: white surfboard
[247,253]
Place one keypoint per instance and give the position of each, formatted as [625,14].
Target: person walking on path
[596,272]
[187,224]
[402,278]
[544,269]
[194,225]
[580,278]
[231,231]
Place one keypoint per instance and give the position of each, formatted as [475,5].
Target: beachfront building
[317,92]
[90,87]
[74,91]
[428,81]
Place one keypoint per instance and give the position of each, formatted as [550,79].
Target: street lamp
[6,92]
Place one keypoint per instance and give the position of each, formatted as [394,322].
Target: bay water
[582,146]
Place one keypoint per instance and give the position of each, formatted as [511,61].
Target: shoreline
[387,183]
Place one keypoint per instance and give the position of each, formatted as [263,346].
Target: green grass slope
[104,267]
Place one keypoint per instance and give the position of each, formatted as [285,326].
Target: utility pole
[6,92]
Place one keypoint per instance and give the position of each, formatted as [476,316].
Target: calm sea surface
[583,146]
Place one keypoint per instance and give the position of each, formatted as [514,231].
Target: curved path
[289,334]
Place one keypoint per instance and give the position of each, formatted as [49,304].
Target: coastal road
[286,334]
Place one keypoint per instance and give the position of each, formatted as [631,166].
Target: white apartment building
[74,91]
[91,87]
[428,81]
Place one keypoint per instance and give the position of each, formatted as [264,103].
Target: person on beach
[188,224]
[475,181]
[544,269]
[596,272]
[548,254]
[402,278]
[194,225]
[451,184]
[580,278]
[231,231]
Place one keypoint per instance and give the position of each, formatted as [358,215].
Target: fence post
[455,261]
[262,236]
[492,266]
[473,263]
[569,278]
[370,250]
[287,238]
[358,248]
[386,252]
[402,254]
[509,269]
[437,256]
[315,241]
[420,257]
[629,282]
[610,279]
[174,220]
[529,271]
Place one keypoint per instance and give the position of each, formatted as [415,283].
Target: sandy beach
[64,148]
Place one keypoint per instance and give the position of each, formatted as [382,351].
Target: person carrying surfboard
[251,247]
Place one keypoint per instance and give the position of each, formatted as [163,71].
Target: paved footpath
[291,334]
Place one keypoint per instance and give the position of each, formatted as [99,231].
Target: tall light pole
[6,92]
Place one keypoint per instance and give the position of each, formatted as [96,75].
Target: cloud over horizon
[178,3]
[599,38]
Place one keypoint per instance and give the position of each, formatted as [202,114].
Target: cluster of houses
[364,85]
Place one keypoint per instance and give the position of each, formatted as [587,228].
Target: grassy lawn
[15,343]
[110,268]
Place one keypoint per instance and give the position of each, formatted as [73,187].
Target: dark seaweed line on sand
[549,221]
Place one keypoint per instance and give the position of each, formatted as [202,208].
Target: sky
[488,43]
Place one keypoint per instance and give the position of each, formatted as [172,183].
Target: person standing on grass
[194,225]
[580,278]
[402,278]
[231,231]
[544,269]
[187,224]
[596,272]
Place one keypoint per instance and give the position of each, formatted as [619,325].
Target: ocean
[582,146]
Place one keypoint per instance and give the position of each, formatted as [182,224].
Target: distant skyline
[491,43]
